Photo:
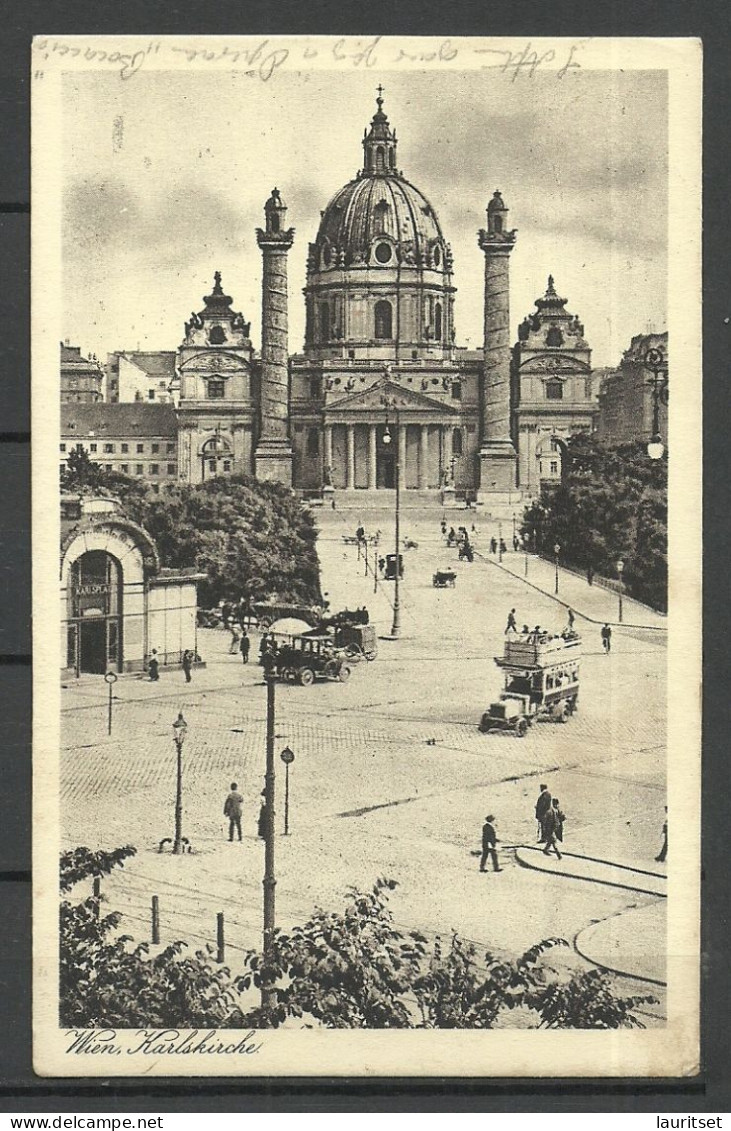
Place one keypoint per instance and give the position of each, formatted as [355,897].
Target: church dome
[380,269]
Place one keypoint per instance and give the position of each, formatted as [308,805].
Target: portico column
[372,457]
[328,453]
[402,453]
[350,468]
[424,457]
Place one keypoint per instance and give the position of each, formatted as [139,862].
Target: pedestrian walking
[493,545]
[516,544]
[590,575]
[444,527]
[662,856]
[606,638]
[503,546]
[232,810]
[553,829]
[187,664]
[489,842]
[153,666]
[245,646]
[235,638]
[572,618]
[261,828]
[543,804]
[511,626]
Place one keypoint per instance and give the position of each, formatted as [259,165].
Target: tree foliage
[349,969]
[610,504]
[252,539]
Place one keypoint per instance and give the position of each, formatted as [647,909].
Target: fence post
[220,937]
[155,920]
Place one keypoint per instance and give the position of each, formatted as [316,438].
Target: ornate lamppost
[180,842]
[556,552]
[655,361]
[390,403]
[620,569]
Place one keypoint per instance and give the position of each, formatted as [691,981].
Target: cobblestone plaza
[391,775]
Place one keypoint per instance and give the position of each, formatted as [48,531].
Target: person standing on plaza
[232,810]
[235,637]
[261,828]
[606,638]
[245,645]
[663,854]
[493,545]
[153,666]
[552,826]
[590,575]
[444,527]
[489,842]
[187,664]
[511,626]
[543,804]
[572,618]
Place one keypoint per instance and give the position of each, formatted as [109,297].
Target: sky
[165,176]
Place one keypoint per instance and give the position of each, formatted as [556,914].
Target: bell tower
[273,456]
[498,460]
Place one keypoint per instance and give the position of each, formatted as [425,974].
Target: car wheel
[306,677]
[344,673]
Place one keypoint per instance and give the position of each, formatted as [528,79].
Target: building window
[457,442]
[554,337]
[383,320]
[314,387]
[63,447]
[383,252]
[438,322]
[140,449]
[554,390]
[154,469]
[456,390]
[216,389]
[554,467]
[92,447]
[150,394]
[313,442]
[170,447]
[125,447]
[171,469]
[139,469]
[217,336]
[227,465]
[109,448]
[324,322]
[125,469]
[155,449]
[107,467]
[212,465]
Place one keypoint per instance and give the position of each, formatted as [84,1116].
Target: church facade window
[456,390]
[457,442]
[383,252]
[438,322]
[216,389]
[325,322]
[554,337]
[313,442]
[554,390]
[384,320]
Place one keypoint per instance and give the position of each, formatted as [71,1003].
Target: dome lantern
[379,144]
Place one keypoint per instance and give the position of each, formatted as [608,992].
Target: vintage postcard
[367,727]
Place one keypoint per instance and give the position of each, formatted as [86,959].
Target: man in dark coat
[511,626]
[489,840]
[232,810]
[543,804]
[553,829]
[606,638]
[244,646]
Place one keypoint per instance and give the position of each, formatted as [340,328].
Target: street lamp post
[556,552]
[365,546]
[110,679]
[654,361]
[180,842]
[390,402]
[269,882]
[620,569]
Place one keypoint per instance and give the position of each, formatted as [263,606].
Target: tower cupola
[379,144]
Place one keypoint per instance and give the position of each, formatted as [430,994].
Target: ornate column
[350,463]
[424,457]
[273,457]
[497,453]
[372,457]
[328,453]
[402,452]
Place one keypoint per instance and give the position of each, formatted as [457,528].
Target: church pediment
[214,362]
[554,363]
[399,397]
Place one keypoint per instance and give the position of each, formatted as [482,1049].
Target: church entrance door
[386,470]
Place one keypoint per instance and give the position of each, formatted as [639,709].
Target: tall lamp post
[269,882]
[556,552]
[654,360]
[390,402]
[620,569]
[180,843]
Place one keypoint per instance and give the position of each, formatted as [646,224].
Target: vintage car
[389,570]
[541,682]
[307,658]
[443,578]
